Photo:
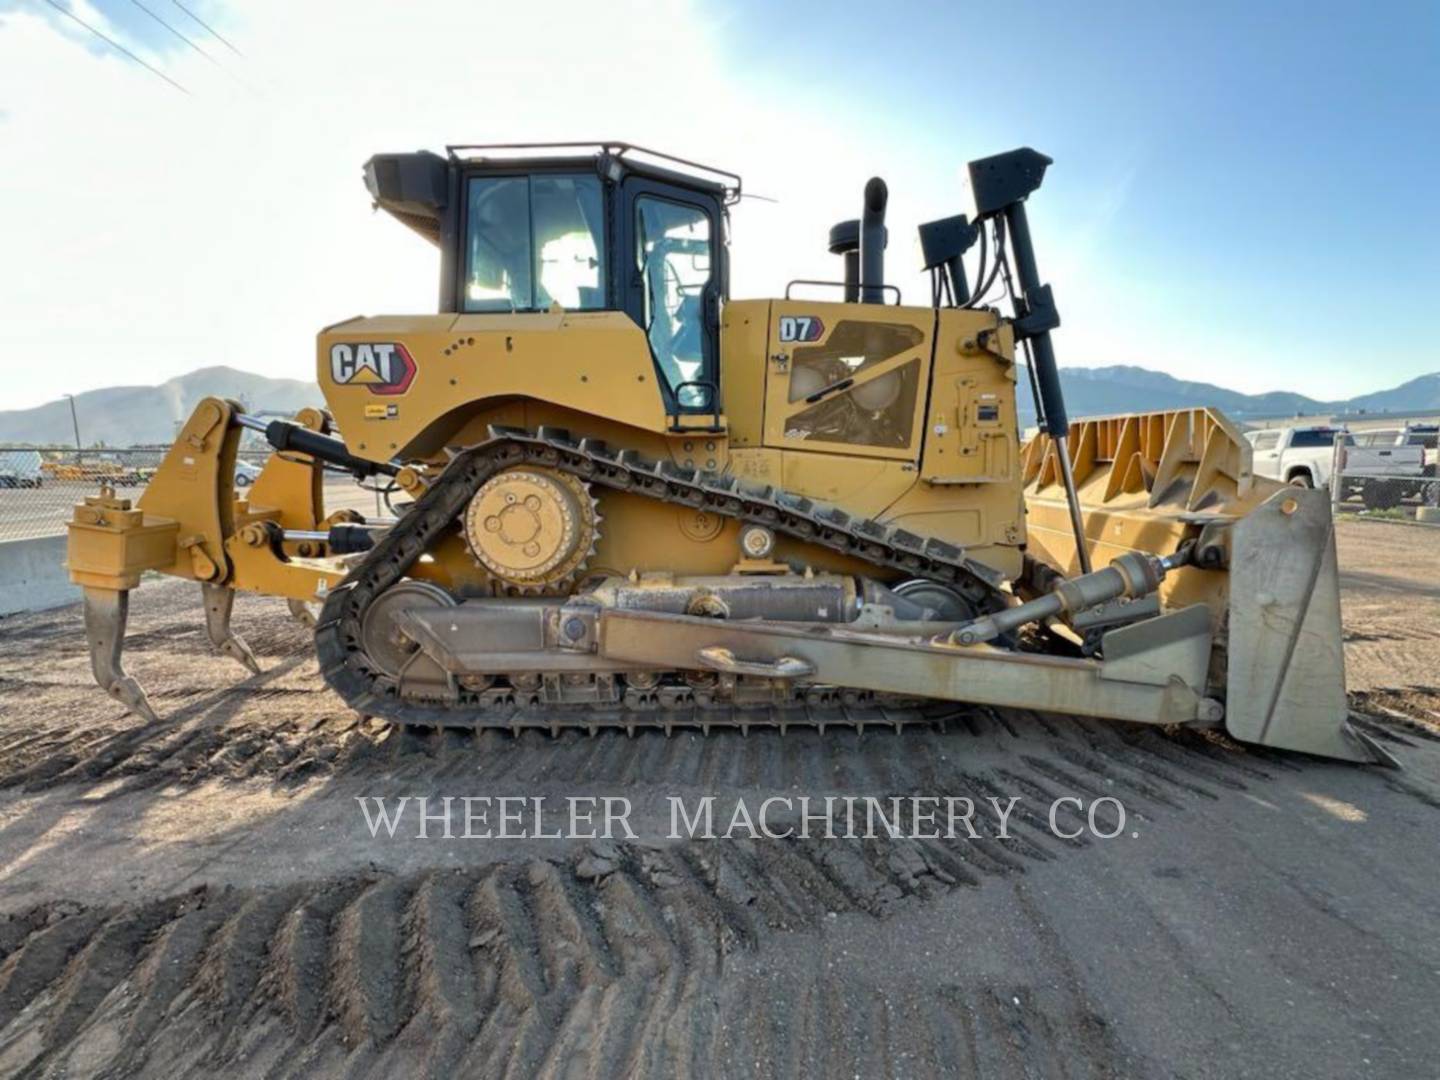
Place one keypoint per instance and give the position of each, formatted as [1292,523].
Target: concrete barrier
[32,575]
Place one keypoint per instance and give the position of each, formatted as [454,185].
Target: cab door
[674,276]
[848,378]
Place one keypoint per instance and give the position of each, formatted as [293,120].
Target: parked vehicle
[1297,455]
[1421,436]
[99,469]
[1381,467]
[132,477]
[1427,437]
[1381,452]
[245,473]
[20,469]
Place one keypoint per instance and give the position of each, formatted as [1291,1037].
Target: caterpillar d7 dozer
[624,499]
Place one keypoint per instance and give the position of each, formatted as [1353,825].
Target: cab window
[534,241]
[672,256]
[1266,440]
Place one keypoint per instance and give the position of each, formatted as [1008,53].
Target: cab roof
[414,187]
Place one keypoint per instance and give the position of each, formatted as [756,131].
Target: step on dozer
[621,499]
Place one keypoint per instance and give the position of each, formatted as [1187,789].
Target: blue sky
[1242,194]
[1272,168]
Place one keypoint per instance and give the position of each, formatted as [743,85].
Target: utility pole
[75,422]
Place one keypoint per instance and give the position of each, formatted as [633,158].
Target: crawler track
[369,690]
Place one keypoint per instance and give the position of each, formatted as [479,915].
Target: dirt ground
[203,896]
[1390,582]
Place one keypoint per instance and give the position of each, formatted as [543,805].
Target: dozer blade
[1286,680]
[1148,482]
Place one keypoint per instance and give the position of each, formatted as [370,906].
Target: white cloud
[147,233]
[144,233]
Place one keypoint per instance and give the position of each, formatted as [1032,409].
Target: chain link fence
[1412,494]
[1381,495]
[40,484]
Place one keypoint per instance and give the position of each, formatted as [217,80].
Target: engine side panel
[404,384]
[936,453]
[969,489]
[744,329]
[847,379]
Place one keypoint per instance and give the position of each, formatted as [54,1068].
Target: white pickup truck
[1385,466]
[1297,455]
[1393,449]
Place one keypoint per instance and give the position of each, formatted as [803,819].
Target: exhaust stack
[872,242]
[845,242]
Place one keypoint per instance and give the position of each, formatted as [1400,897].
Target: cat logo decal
[383,367]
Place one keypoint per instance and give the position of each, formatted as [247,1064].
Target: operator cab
[526,228]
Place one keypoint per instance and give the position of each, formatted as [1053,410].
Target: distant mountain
[131,415]
[137,415]
[1421,393]
[1122,388]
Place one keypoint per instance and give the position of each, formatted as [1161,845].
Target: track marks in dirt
[285,749]
[802,1024]
[609,962]
[271,741]
[1405,715]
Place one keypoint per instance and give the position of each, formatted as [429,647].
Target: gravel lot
[203,897]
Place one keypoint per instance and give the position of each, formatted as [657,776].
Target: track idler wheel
[386,644]
[533,528]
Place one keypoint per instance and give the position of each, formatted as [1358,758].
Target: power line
[117,46]
[177,33]
[193,45]
[213,32]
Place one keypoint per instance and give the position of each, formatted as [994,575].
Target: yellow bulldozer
[619,498]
